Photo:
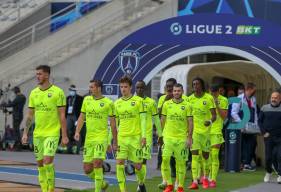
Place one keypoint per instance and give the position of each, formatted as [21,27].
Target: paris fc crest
[129,61]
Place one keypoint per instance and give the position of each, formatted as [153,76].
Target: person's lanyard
[249,102]
[71,101]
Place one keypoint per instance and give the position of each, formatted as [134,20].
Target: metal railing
[32,34]
[81,39]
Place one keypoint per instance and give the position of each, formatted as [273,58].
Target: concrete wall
[39,15]
[80,69]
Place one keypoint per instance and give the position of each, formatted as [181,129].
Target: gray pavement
[72,164]
[64,163]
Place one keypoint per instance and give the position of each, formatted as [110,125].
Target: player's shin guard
[181,172]
[206,166]
[140,175]
[120,173]
[199,166]
[50,173]
[215,163]
[42,179]
[194,166]
[98,179]
[144,171]
[91,175]
[166,170]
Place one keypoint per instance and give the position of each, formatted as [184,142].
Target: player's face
[140,87]
[169,87]
[177,92]
[275,99]
[196,86]
[93,89]
[125,89]
[41,76]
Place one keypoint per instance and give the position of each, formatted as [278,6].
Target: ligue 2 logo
[176,28]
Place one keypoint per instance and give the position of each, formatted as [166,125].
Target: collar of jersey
[98,98]
[46,89]
[178,102]
[199,97]
[127,98]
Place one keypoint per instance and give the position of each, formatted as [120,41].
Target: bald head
[275,98]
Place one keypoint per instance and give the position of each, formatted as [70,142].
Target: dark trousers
[70,120]
[273,154]
[249,144]
[16,127]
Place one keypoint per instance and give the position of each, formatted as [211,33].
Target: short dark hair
[215,88]
[171,80]
[126,79]
[178,85]
[278,90]
[241,87]
[45,68]
[97,82]
[201,82]
[250,85]
[16,89]
[142,81]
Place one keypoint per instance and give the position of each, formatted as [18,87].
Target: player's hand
[160,141]
[266,135]
[24,139]
[77,136]
[189,142]
[207,123]
[143,142]
[115,146]
[64,141]
[109,149]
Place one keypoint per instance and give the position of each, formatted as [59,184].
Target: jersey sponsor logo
[93,114]
[129,61]
[127,115]
[43,108]
[139,152]
[183,152]
[100,147]
[176,117]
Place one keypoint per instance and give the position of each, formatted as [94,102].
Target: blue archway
[152,47]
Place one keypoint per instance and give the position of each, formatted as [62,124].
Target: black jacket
[17,104]
[76,106]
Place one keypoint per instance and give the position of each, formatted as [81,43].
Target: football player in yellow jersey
[169,95]
[204,114]
[96,109]
[216,135]
[131,118]
[178,125]
[151,115]
[47,104]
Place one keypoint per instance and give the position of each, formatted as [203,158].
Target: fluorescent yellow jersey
[97,112]
[45,104]
[163,97]
[127,112]
[201,111]
[150,108]
[176,126]
[218,124]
